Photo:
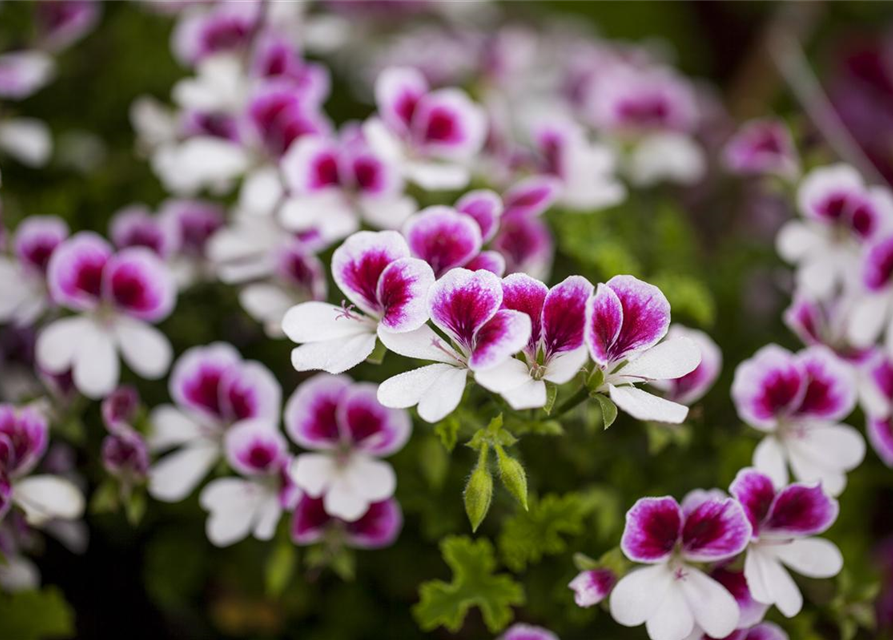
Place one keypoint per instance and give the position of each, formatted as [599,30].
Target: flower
[762,631]
[376,273]
[762,147]
[625,322]
[672,595]
[253,504]
[377,528]
[783,523]
[118,297]
[555,352]
[431,135]
[120,407]
[872,308]
[214,390]
[135,226]
[23,73]
[24,296]
[24,435]
[694,385]
[521,631]
[349,431]
[465,305]
[798,399]
[593,586]
[840,214]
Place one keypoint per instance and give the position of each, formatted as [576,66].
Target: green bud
[479,490]
[513,477]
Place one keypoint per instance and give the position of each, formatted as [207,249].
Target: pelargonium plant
[361,234]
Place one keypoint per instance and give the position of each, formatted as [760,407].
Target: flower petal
[768,386]
[463,301]
[485,207]
[319,322]
[314,473]
[880,434]
[715,530]
[139,284]
[171,427]
[443,237]
[822,453]
[397,93]
[800,510]
[812,557]
[755,492]
[46,497]
[96,367]
[666,361]
[358,264]
[378,527]
[144,348]
[175,476]
[639,594]
[770,458]
[58,344]
[646,316]
[642,405]
[333,356]
[402,293]
[363,481]
[310,413]
[770,583]
[673,619]
[74,272]
[504,335]
[231,504]
[563,367]
[653,527]
[448,125]
[522,293]
[310,521]
[831,385]
[591,587]
[421,344]
[437,389]
[369,426]
[714,608]
[564,315]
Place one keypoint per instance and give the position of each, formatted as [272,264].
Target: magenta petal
[531,196]
[250,391]
[74,273]
[377,528]
[24,435]
[402,294]
[522,293]
[830,388]
[397,93]
[801,510]
[139,284]
[564,315]
[491,261]
[504,335]
[880,434]
[302,270]
[765,631]
[310,521]
[36,238]
[715,530]
[604,320]
[358,264]
[755,492]
[135,226]
[520,631]
[443,237]
[768,386]
[877,270]
[311,412]
[653,527]
[736,584]
[591,587]
[256,448]
[526,244]
[367,425]
[196,376]
[462,301]
[447,124]
[485,207]
[120,407]
[646,316]
[311,165]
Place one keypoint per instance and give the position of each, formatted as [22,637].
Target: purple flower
[798,399]
[377,274]
[527,632]
[444,237]
[120,407]
[671,595]
[762,147]
[466,306]
[135,226]
[625,322]
[118,297]
[593,586]
[279,116]
[783,523]
[378,527]
[125,455]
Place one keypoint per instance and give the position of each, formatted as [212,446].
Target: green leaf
[280,568]
[512,475]
[551,396]
[529,535]
[688,297]
[609,409]
[106,497]
[135,507]
[448,431]
[434,462]
[479,490]
[36,615]
[474,584]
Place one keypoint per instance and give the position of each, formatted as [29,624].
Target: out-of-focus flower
[798,399]
[784,522]
[27,140]
[349,431]
[466,306]
[377,528]
[23,73]
[135,226]
[762,147]
[118,296]
[694,385]
[527,632]
[63,22]
[120,407]
[446,238]
[671,596]
[626,320]
[593,586]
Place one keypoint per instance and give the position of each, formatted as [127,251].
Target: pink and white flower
[64,22]
[592,586]
[626,320]
[467,307]
[762,147]
[118,296]
[252,504]
[135,226]
[349,431]
[671,595]
[24,435]
[555,352]
[840,215]
[784,522]
[24,295]
[871,315]
[522,631]
[798,401]
[376,273]
[193,223]
[213,390]
[762,631]
[694,385]
[432,136]
[23,73]
[375,529]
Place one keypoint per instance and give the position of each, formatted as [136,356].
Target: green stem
[579,397]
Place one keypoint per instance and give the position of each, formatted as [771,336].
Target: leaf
[529,535]
[434,462]
[551,396]
[688,296]
[36,615]
[474,584]
[448,431]
[135,507]
[609,409]
[106,497]
[280,568]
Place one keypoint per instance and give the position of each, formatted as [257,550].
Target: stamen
[346,311]
[437,344]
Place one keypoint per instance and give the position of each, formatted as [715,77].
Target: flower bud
[479,491]
[513,476]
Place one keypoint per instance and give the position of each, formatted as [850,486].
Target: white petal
[19,574]
[639,593]
[445,397]
[344,502]
[59,342]
[314,473]
[672,620]
[300,213]
[177,474]
[714,608]
[96,367]
[333,356]
[381,140]
[45,497]
[796,240]
[823,453]
[261,191]
[318,321]
[866,319]
[645,406]
[268,515]
[668,360]
[563,367]
[769,458]
[388,212]
[438,176]
[505,376]
[530,395]
[27,140]
[231,504]
[421,344]
[374,479]
[267,303]
[144,348]
[171,427]
[818,275]
[770,583]
[811,557]
[437,389]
